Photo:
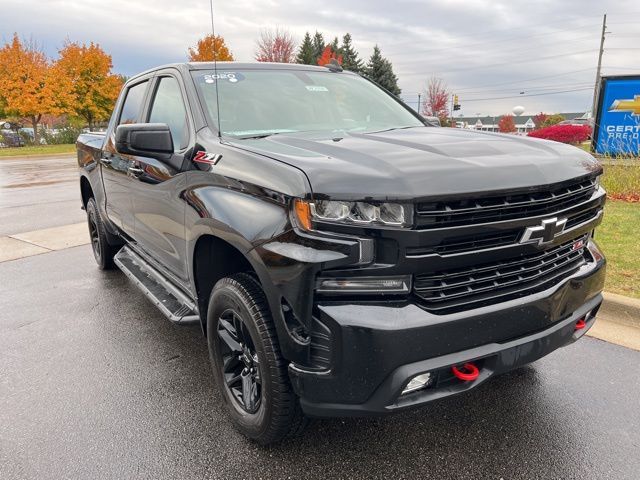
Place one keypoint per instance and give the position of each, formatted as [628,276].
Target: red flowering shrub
[564,133]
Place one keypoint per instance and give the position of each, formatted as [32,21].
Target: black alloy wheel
[240,364]
[250,372]
[93,234]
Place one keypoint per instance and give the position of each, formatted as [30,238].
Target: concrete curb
[621,309]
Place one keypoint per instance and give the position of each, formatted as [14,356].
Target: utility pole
[419,104]
[597,85]
[452,124]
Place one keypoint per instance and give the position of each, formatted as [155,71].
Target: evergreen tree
[306,54]
[350,60]
[380,70]
[318,46]
[335,46]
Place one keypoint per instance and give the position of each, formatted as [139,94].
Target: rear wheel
[249,369]
[102,251]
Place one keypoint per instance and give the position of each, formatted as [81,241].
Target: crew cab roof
[191,66]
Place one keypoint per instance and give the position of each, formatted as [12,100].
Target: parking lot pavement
[38,192]
[95,383]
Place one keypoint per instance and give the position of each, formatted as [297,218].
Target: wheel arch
[86,191]
[213,259]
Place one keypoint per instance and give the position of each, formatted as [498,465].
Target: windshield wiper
[395,128]
[261,135]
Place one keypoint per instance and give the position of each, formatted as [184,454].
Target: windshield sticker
[231,77]
[316,88]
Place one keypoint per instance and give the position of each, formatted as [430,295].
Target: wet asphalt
[95,383]
[38,192]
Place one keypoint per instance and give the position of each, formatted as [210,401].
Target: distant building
[524,123]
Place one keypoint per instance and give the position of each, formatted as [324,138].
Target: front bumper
[376,348]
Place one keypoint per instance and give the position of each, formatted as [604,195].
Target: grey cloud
[462,41]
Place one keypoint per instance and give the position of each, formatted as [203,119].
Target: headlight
[354,213]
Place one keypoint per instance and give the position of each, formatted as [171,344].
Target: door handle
[136,171]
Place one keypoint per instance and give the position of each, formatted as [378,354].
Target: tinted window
[256,102]
[168,108]
[133,104]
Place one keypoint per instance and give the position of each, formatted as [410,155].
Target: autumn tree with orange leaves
[327,55]
[29,87]
[506,124]
[85,71]
[210,48]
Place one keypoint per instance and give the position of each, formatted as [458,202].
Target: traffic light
[456,104]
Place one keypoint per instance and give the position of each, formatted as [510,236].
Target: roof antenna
[334,66]
[215,70]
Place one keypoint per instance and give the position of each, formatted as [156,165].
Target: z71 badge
[208,158]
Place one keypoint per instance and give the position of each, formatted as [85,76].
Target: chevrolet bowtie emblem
[544,233]
[629,105]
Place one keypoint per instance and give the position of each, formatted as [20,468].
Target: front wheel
[102,251]
[249,369]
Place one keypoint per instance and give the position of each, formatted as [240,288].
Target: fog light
[364,285]
[418,382]
[595,251]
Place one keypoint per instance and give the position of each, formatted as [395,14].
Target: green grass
[622,179]
[586,146]
[37,150]
[619,239]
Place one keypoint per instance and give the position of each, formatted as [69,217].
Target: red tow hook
[467,373]
[580,324]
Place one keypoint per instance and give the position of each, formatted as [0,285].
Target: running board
[171,301]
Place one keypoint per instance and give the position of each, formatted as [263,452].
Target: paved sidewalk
[618,321]
[20,245]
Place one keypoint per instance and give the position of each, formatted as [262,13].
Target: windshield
[265,102]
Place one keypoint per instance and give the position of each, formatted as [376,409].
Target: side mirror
[145,139]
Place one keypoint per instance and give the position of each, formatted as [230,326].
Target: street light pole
[598,70]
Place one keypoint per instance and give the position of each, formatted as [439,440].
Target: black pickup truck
[342,255]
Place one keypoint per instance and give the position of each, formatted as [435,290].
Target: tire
[242,338]
[102,251]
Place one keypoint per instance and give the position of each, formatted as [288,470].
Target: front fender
[256,222]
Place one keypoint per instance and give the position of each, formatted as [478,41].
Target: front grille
[468,243]
[488,283]
[503,207]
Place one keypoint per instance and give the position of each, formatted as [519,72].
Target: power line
[527,79]
[531,60]
[499,53]
[498,40]
[520,27]
[529,95]
[526,89]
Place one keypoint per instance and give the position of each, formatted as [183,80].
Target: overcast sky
[482,49]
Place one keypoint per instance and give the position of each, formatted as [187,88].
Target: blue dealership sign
[617,130]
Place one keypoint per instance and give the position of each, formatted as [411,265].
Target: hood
[422,162]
